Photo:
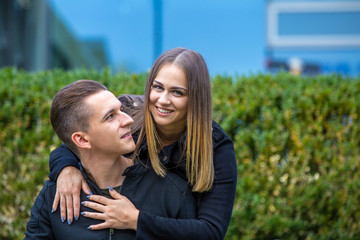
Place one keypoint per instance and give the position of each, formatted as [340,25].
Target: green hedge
[297,142]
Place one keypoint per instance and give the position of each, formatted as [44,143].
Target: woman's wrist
[134,220]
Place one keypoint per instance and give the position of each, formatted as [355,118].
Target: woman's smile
[164,111]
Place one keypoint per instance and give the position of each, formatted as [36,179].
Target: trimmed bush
[297,143]
[296,140]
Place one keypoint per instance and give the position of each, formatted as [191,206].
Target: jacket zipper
[111,233]
[111,229]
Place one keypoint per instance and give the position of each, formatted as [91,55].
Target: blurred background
[296,138]
[235,37]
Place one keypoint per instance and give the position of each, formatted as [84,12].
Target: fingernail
[76,218]
[88,196]
[52,210]
[110,188]
[69,222]
[82,213]
[62,219]
[90,192]
[89,228]
[82,203]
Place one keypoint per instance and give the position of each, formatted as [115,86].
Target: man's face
[109,131]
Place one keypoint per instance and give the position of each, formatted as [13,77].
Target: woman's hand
[119,213]
[68,186]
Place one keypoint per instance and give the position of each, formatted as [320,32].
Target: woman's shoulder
[131,101]
[133,105]
[222,143]
[218,133]
[223,148]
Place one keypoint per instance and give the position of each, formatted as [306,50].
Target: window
[313,24]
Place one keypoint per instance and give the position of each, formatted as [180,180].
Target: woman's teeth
[163,110]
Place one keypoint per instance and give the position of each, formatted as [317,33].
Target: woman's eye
[158,87]
[179,93]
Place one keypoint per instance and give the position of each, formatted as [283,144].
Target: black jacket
[168,197]
[214,207]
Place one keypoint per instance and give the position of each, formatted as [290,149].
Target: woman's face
[168,100]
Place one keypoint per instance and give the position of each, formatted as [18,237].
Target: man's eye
[110,117]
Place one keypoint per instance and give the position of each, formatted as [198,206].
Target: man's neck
[105,171]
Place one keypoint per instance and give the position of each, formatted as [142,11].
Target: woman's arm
[60,158]
[64,169]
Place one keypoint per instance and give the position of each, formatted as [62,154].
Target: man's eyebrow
[108,112]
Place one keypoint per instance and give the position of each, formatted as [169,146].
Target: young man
[90,121]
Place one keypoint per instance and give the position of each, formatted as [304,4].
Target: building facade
[33,38]
[313,36]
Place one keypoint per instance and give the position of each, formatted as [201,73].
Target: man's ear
[81,140]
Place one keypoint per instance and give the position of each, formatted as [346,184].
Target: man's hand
[68,186]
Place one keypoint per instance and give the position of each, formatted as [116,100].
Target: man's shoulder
[49,188]
[45,197]
[48,184]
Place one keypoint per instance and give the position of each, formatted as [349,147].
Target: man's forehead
[103,95]
[103,101]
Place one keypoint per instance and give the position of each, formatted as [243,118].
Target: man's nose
[125,119]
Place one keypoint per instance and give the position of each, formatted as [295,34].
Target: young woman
[176,134]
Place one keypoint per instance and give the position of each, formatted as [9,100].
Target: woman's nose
[163,99]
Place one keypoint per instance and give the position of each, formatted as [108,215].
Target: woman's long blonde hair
[198,145]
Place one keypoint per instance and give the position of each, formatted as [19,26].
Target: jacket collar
[137,169]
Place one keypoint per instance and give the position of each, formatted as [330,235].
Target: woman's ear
[81,140]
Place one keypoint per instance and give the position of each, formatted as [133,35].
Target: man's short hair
[69,113]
